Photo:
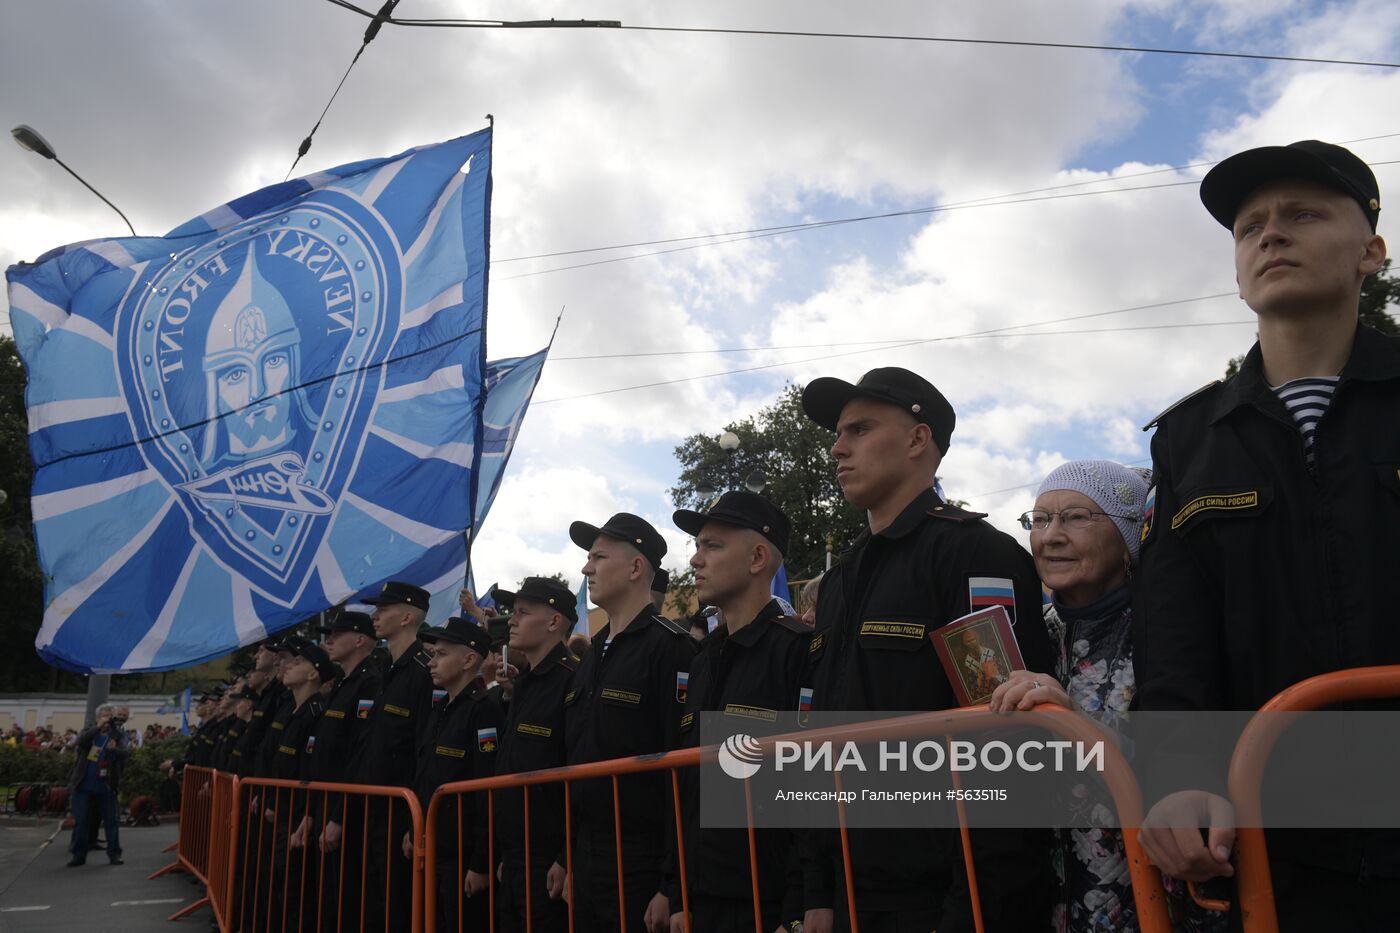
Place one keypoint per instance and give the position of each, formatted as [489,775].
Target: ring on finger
[1035,683]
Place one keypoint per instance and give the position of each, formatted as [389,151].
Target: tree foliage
[1378,292]
[792,452]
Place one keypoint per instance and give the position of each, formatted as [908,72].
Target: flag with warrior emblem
[274,406]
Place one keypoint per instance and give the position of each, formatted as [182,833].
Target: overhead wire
[455,23]
[1003,331]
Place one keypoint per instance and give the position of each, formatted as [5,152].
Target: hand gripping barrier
[282,877]
[1254,884]
[1147,883]
[205,845]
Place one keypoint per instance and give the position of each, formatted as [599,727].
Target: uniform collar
[1374,357]
[556,654]
[912,515]
[749,635]
[412,652]
[469,693]
[643,619]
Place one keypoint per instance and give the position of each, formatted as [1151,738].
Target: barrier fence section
[287,873]
[204,846]
[1146,881]
[1253,882]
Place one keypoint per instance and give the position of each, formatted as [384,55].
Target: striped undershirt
[1306,399]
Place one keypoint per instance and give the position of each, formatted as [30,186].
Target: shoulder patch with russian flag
[486,739]
[439,696]
[362,709]
[1148,508]
[682,686]
[986,592]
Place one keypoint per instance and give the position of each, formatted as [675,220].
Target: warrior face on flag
[251,363]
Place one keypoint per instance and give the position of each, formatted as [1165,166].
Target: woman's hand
[1024,689]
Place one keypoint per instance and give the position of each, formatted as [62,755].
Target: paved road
[39,894]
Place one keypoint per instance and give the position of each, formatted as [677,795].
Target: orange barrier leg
[680,848]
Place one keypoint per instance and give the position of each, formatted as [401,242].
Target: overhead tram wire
[1005,331]
[968,202]
[713,239]
[450,23]
[371,31]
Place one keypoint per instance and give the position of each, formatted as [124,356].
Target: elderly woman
[1085,534]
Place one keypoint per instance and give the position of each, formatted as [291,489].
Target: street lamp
[28,138]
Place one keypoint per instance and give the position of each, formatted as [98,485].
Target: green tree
[792,452]
[21,584]
[1378,292]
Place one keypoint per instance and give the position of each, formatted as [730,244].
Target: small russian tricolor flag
[363,708]
[682,685]
[439,696]
[804,700]
[985,592]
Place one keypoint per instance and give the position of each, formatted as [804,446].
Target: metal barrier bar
[1146,882]
[680,847]
[1253,882]
[287,806]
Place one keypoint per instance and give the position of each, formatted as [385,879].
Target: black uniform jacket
[918,572]
[266,758]
[533,740]
[264,711]
[296,742]
[396,723]
[341,732]
[751,675]
[1259,570]
[244,753]
[459,744]
[201,746]
[628,700]
[227,742]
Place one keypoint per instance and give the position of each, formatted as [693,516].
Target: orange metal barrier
[208,815]
[1253,882]
[1147,884]
[281,878]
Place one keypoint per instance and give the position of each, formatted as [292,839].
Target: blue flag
[510,383]
[179,703]
[581,626]
[274,406]
[780,585]
[488,600]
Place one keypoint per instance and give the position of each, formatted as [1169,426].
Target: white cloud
[608,137]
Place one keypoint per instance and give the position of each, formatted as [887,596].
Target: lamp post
[99,685]
[28,138]
[755,482]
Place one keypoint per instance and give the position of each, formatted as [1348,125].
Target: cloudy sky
[1067,286]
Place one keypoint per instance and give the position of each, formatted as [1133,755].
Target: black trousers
[1309,899]
[730,914]
[546,915]
[596,908]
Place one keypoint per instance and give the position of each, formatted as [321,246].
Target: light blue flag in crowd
[581,626]
[275,406]
[179,703]
[780,585]
[510,383]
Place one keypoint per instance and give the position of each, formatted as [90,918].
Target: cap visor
[1226,186]
[689,521]
[506,597]
[584,534]
[824,398]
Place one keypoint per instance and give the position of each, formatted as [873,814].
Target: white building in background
[62,711]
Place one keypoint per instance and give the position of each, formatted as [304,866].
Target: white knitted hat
[1118,491]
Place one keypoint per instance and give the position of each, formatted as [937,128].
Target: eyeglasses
[1076,519]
